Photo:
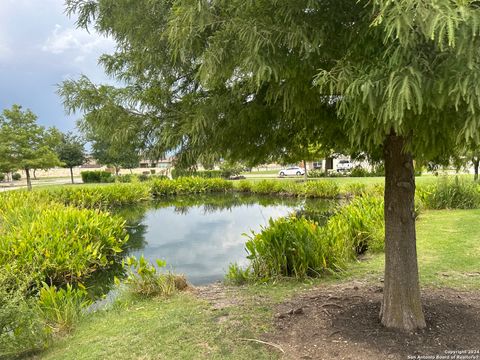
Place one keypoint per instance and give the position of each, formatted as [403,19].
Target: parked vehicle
[344,165]
[291,171]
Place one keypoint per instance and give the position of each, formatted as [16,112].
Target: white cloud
[63,40]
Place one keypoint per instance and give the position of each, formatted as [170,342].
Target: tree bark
[476,163]
[71,174]
[401,308]
[305,169]
[29,180]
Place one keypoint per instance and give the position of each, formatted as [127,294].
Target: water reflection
[200,236]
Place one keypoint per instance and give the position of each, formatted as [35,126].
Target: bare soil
[342,322]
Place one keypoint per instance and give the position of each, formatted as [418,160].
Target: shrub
[289,247]
[237,276]
[316,174]
[355,189]
[450,194]
[205,174]
[16,176]
[357,227]
[2,176]
[144,280]
[298,247]
[56,243]
[230,169]
[358,171]
[61,308]
[97,177]
[99,196]
[321,189]
[165,187]
[21,328]
[127,178]
[243,186]
[143,177]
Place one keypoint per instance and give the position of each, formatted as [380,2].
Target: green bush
[238,276]
[16,176]
[316,174]
[144,280]
[290,247]
[321,189]
[318,189]
[127,178]
[205,174]
[356,189]
[100,197]
[297,247]
[231,169]
[358,171]
[97,177]
[56,243]
[188,185]
[22,329]
[357,227]
[450,194]
[62,308]
[2,176]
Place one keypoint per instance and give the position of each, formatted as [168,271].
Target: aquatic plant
[144,280]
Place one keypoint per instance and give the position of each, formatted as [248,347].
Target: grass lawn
[186,327]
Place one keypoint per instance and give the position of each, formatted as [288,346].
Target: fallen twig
[332,304]
[266,343]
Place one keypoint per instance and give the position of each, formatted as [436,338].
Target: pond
[200,236]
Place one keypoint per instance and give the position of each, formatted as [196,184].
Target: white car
[344,165]
[291,171]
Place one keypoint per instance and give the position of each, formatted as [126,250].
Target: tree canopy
[24,144]
[71,151]
[243,78]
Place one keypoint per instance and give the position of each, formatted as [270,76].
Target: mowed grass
[448,249]
[185,327]
[182,327]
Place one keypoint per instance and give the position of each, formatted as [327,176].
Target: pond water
[200,236]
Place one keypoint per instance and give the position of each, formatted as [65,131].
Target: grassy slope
[184,327]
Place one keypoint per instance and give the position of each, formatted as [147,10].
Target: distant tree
[25,144]
[71,151]
[115,153]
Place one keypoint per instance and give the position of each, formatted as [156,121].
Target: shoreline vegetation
[53,240]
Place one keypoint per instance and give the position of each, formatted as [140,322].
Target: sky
[39,48]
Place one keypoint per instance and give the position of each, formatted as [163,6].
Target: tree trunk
[29,180]
[401,307]
[305,169]
[117,170]
[35,174]
[476,163]
[71,174]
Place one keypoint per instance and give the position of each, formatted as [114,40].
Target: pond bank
[225,322]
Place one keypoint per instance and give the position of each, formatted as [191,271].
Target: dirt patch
[341,322]
[218,295]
